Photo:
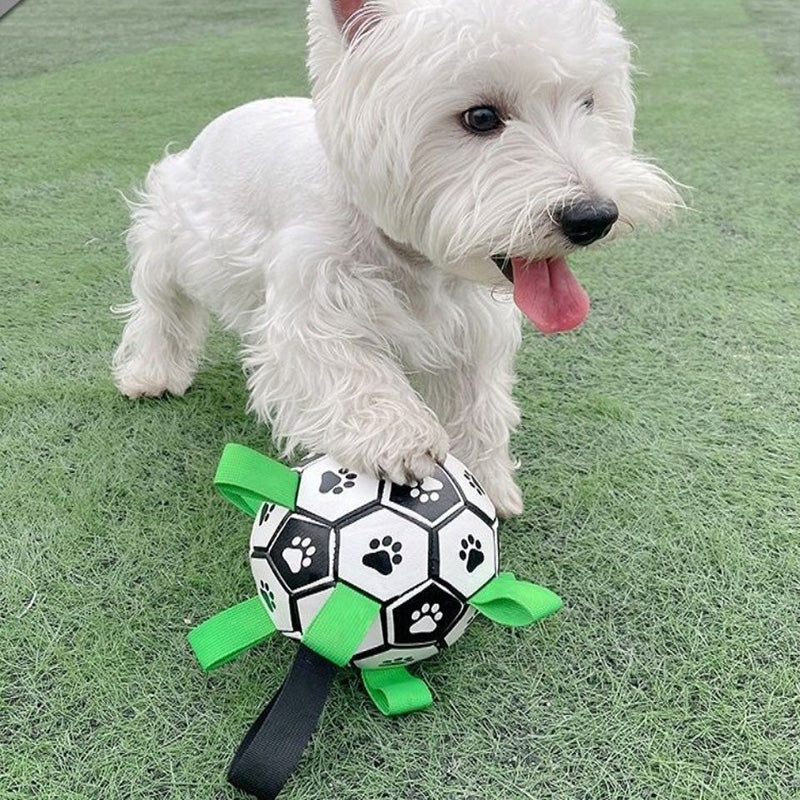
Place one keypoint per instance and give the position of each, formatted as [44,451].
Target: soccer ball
[421,551]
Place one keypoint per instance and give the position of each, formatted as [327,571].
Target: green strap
[396,691]
[515,603]
[248,479]
[228,634]
[340,626]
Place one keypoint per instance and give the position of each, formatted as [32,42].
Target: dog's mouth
[546,291]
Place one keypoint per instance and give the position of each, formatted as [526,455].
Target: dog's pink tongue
[549,294]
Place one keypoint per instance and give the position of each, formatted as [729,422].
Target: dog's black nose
[587,222]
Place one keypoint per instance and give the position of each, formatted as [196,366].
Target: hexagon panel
[272,592]
[267,522]
[394,657]
[460,628]
[383,554]
[373,638]
[310,605]
[331,491]
[302,553]
[467,552]
[422,616]
[428,501]
[474,493]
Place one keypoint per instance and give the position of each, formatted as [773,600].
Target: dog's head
[486,134]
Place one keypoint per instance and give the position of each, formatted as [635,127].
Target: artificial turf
[659,451]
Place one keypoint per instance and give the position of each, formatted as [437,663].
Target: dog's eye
[588,103]
[482,120]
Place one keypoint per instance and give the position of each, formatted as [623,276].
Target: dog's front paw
[402,452]
[143,378]
[412,465]
[502,490]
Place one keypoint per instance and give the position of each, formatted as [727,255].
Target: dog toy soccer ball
[362,572]
[421,551]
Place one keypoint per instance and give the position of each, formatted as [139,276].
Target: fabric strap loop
[395,690]
[248,479]
[275,742]
[230,633]
[341,624]
[515,603]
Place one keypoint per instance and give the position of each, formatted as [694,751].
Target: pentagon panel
[302,553]
[458,630]
[308,606]
[423,616]
[383,554]
[428,501]
[332,492]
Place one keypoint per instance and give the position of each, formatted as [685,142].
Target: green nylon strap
[341,624]
[515,603]
[228,634]
[395,690]
[248,479]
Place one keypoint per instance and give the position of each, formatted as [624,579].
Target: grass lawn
[660,451]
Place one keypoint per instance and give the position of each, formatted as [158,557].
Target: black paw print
[400,661]
[266,511]
[267,595]
[471,552]
[337,482]
[471,480]
[384,555]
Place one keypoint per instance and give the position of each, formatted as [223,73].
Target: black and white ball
[422,551]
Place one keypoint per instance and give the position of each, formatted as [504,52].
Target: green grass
[659,450]
[778,25]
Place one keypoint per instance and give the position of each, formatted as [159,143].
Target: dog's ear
[353,16]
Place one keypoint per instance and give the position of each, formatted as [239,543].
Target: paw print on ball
[384,555]
[473,492]
[301,554]
[470,478]
[332,491]
[400,661]
[298,555]
[423,616]
[267,595]
[394,656]
[271,590]
[471,553]
[428,501]
[427,490]
[267,523]
[426,618]
[266,512]
[467,547]
[337,482]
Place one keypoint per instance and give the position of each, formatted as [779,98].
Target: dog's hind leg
[164,335]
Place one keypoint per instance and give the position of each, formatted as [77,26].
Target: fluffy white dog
[365,243]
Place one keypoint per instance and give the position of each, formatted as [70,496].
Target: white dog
[357,241]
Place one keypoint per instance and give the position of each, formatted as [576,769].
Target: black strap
[272,748]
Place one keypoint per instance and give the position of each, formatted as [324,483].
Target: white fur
[348,240]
